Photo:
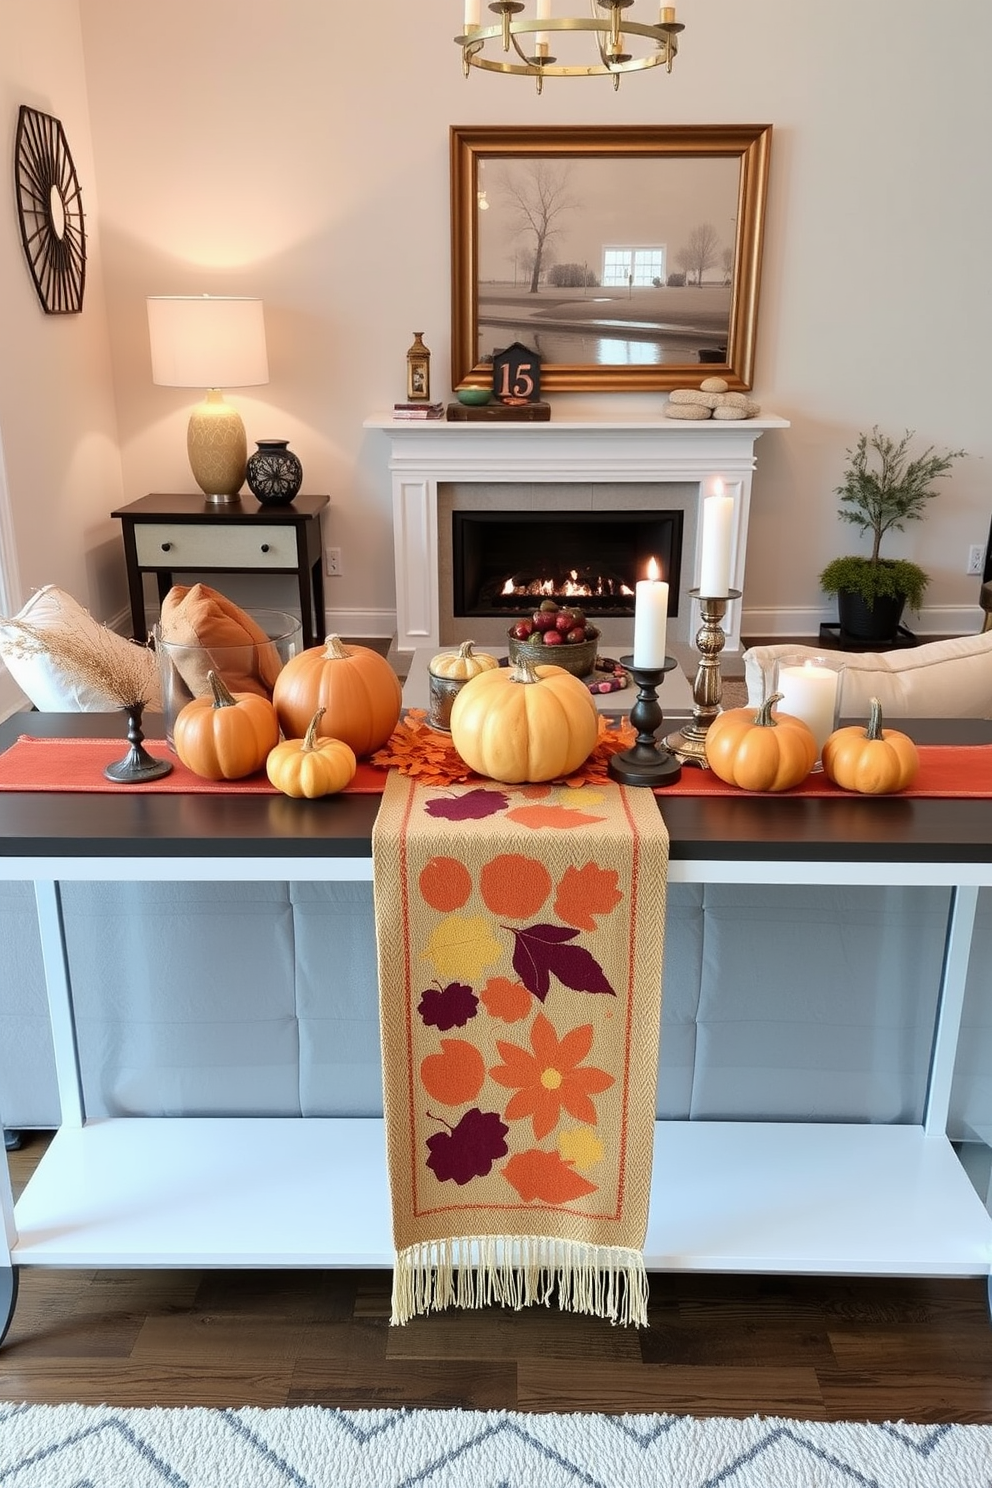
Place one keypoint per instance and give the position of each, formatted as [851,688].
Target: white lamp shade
[207,341]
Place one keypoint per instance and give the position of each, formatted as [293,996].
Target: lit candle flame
[654,572]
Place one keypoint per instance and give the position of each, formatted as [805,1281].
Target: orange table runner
[520,938]
[962,771]
[32,764]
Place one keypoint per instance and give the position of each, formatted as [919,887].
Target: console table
[166,535]
[245,1191]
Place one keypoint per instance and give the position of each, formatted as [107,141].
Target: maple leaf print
[474,805]
[541,951]
[468,1149]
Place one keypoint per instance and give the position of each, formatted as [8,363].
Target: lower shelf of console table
[312,1192]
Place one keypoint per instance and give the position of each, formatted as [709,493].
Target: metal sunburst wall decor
[50,208]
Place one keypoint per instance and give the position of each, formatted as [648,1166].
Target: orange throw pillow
[206,632]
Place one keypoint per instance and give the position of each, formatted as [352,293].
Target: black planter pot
[878,622]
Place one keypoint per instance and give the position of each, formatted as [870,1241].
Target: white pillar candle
[543,13]
[473,13]
[809,692]
[650,620]
[714,548]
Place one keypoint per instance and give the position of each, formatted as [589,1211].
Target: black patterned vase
[274,473]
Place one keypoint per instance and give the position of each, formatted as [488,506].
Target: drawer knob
[166,546]
[265,547]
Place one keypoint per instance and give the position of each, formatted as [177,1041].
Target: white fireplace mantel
[426,453]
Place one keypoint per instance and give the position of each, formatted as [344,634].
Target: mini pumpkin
[760,751]
[462,664]
[226,735]
[311,767]
[524,723]
[872,760]
[356,687]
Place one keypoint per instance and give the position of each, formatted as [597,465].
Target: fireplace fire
[506,561]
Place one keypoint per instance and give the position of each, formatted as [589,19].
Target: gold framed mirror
[627,257]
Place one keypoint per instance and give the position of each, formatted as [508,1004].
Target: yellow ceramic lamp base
[218,448]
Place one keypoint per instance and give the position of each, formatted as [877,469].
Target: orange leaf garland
[417,750]
[543,1175]
[585,892]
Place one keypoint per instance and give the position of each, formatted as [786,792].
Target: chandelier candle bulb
[650,620]
[473,13]
[809,692]
[543,14]
[714,562]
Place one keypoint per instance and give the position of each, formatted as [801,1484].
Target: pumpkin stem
[223,697]
[335,650]
[523,670]
[874,729]
[465,649]
[310,737]
[763,718]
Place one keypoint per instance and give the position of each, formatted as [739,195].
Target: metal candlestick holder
[138,766]
[647,762]
[689,744]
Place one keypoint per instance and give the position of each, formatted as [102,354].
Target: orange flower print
[552,1078]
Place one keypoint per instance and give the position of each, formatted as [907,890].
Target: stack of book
[418,410]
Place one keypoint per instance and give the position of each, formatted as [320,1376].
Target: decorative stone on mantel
[584,452]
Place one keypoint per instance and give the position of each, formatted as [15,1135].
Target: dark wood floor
[808,1348]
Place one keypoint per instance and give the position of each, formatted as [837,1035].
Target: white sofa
[940,679]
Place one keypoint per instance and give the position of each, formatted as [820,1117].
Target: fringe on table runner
[518,1271]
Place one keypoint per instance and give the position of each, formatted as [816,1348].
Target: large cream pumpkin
[524,723]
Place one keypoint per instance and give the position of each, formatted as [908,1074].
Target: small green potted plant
[882,490]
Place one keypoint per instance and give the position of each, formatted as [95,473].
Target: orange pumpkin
[227,735]
[311,767]
[871,760]
[524,722]
[356,687]
[761,751]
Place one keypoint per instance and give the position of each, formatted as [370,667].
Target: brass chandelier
[530,39]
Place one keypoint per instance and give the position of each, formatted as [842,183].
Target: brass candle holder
[648,761]
[689,744]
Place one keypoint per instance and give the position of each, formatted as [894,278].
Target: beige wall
[58,427]
[297,149]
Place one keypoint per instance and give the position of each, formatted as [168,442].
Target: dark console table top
[144,824]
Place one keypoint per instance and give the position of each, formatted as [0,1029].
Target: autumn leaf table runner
[520,936]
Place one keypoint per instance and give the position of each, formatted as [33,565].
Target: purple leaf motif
[542,950]
[468,1149]
[474,805]
[448,1007]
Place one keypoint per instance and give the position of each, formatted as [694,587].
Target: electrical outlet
[333,564]
[976,559]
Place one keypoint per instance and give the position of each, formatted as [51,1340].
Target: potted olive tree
[882,490]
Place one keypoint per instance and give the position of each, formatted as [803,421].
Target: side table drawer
[178,545]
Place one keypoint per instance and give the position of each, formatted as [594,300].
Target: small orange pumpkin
[356,687]
[872,760]
[761,751]
[311,767]
[524,722]
[227,735]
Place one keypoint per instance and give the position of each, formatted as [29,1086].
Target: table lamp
[210,342]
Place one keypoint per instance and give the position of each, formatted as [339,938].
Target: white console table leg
[53,953]
[953,980]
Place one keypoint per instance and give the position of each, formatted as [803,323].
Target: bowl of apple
[556,635]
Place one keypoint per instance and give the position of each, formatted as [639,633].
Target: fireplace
[507,562]
[642,467]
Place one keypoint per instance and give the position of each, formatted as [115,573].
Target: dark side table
[166,535]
